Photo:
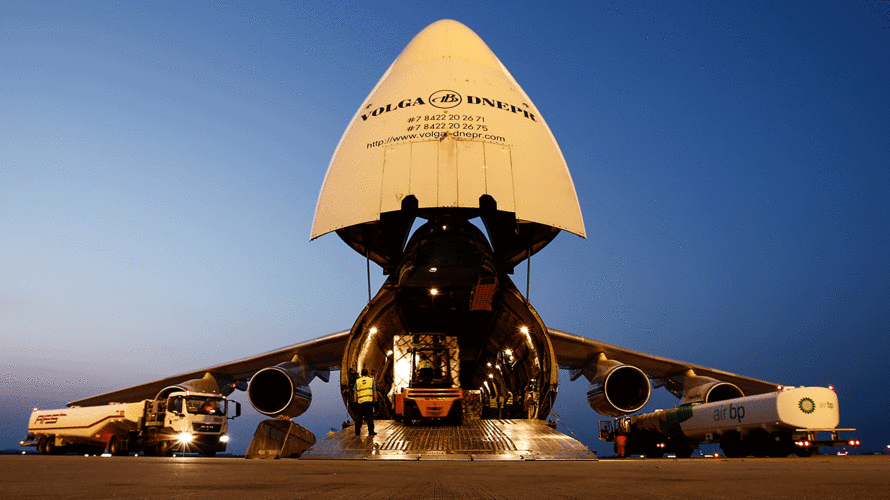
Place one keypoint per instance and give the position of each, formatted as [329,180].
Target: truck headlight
[185,437]
[224,438]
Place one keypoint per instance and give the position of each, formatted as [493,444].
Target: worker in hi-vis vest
[365,393]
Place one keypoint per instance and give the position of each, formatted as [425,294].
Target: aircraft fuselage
[448,283]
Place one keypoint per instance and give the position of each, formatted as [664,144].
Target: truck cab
[188,422]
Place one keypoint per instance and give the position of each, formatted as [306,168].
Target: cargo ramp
[476,440]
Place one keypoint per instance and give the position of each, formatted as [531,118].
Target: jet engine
[694,389]
[617,389]
[710,390]
[283,389]
[208,383]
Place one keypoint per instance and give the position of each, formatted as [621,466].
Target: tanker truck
[774,424]
[185,421]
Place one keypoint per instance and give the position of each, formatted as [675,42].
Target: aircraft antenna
[528,273]
[368,265]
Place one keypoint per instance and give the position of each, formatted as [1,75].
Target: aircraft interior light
[524,329]
[373,330]
[389,352]
[508,352]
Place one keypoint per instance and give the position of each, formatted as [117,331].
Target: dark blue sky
[159,168]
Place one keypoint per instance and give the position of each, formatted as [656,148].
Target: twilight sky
[160,165]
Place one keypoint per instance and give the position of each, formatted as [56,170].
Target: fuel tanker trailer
[183,421]
[773,424]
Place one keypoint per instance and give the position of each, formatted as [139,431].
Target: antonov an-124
[448,136]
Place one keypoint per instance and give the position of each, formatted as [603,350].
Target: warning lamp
[780,387]
[830,387]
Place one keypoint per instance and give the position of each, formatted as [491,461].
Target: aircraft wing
[574,352]
[323,353]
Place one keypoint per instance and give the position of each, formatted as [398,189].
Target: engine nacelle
[698,389]
[618,389]
[280,390]
[207,384]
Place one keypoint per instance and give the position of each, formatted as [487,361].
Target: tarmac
[135,477]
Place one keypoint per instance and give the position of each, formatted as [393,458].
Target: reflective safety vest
[364,389]
[509,398]
[426,364]
[493,402]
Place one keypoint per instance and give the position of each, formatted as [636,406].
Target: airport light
[434,269]
[434,291]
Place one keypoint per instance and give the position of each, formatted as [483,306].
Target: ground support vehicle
[183,422]
[427,389]
[776,424]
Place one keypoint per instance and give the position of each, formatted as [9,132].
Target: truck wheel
[41,446]
[117,447]
[759,442]
[457,414]
[406,418]
[804,452]
[733,446]
[684,452]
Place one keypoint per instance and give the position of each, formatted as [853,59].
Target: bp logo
[445,99]
[807,405]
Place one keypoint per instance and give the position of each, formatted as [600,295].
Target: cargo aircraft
[446,137]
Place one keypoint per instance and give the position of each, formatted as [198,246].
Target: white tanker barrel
[790,409]
[93,423]
[762,424]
